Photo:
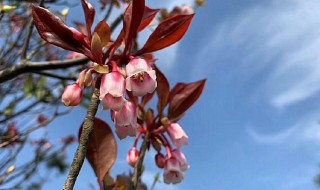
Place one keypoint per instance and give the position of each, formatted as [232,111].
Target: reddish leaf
[133,98]
[115,45]
[184,97]
[89,15]
[102,148]
[176,89]
[103,30]
[81,27]
[146,98]
[148,16]
[131,21]
[167,33]
[96,49]
[163,90]
[53,30]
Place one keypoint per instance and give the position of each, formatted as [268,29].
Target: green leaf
[28,87]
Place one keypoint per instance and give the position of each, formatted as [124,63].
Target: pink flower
[125,120]
[132,156]
[124,131]
[172,171]
[187,9]
[72,95]
[181,159]
[74,55]
[141,77]
[112,90]
[177,135]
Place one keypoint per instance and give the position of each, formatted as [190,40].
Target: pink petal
[173,177]
[124,131]
[177,135]
[142,84]
[172,172]
[114,103]
[181,158]
[112,83]
[137,65]
[127,115]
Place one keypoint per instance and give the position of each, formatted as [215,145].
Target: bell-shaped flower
[132,156]
[177,134]
[125,120]
[141,77]
[172,171]
[124,131]
[72,95]
[181,158]
[112,91]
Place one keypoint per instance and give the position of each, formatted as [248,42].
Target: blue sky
[256,125]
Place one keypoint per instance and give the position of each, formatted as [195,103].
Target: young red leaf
[103,30]
[53,30]
[96,49]
[176,89]
[89,13]
[131,21]
[81,27]
[148,16]
[163,90]
[115,45]
[184,98]
[146,98]
[133,98]
[167,33]
[102,148]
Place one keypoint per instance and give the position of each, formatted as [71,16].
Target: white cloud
[306,131]
[276,138]
[282,36]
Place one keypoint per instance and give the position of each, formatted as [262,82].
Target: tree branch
[54,75]
[82,147]
[30,67]
[26,132]
[109,11]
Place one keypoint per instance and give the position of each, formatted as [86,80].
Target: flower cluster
[174,162]
[138,78]
[128,79]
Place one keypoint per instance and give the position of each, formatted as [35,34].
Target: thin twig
[80,154]
[27,39]
[54,75]
[109,11]
[26,132]
[30,67]
[27,108]
[116,22]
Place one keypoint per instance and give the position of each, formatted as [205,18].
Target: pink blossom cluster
[174,162]
[138,77]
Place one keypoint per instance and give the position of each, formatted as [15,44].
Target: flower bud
[72,95]
[160,160]
[132,156]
